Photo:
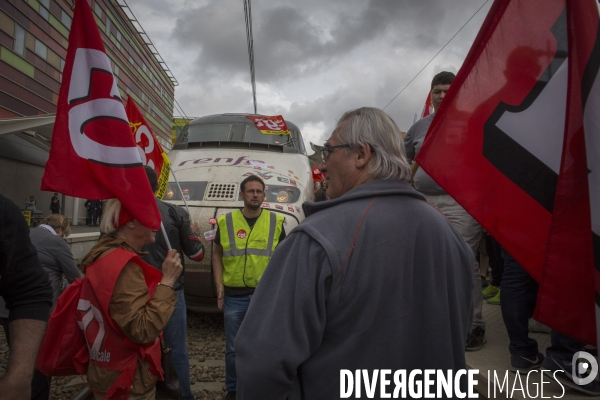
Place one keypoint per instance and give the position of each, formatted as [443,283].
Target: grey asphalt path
[495,358]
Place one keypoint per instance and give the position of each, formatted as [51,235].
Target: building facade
[33,47]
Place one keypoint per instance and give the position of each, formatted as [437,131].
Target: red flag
[270,125]
[506,144]
[317,175]
[93,154]
[428,107]
[151,152]
[568,269]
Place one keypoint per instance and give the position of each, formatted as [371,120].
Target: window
[98,9]
[62,65]
[19,46]
[131,60]
[143,97]
[210,133]
[119,37]
[66,19]
[144,68]
[116,71]
[44,13]
[40,49]
[107,31]
[45,3]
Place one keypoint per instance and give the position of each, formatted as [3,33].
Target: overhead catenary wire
[436,54]
[250,41]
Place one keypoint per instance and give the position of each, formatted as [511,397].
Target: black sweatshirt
[24,284]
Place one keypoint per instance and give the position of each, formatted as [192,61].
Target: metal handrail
[140,30]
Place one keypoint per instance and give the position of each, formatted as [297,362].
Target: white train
[211,157]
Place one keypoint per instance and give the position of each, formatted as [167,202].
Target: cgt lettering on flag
[88,67]
[274,125]
[151,152]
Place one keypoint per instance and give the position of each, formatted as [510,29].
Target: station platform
[76,229]
[81,240]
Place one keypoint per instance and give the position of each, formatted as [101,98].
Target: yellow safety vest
[247,251]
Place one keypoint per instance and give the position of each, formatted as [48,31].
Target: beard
[252,206]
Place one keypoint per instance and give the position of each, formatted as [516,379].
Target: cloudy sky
[314,59]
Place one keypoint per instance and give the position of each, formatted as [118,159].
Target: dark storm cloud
[291,41]
[314,59]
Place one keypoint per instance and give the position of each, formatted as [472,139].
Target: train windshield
[210,133]
[237,131]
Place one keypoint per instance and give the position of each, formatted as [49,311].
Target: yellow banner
[163,179]
[27,215]
[282,133]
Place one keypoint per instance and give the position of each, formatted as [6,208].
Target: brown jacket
[140,318]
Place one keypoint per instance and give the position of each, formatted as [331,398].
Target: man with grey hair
[374,278]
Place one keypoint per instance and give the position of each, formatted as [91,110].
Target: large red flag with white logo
[151,152]
[508,144]
[93,154]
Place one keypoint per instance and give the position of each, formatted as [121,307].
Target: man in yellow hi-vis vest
[244,243]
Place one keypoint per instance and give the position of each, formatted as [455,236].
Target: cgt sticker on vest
[241,234]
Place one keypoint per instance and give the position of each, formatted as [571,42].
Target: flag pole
[182,196]
[164,232]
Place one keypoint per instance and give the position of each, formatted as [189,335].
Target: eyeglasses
[327,150]
[257,192]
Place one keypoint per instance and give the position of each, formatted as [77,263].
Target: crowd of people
[382,273]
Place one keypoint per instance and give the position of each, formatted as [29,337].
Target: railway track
[206,350]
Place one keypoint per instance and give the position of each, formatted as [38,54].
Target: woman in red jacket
[124,305]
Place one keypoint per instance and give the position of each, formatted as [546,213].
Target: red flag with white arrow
[508,143]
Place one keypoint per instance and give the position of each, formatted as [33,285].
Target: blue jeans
[563,347]
[174,336]
[517,301]
[234,311]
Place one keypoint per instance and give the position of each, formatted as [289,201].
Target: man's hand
[25,339]
[195,228]
[217,264]
[171,268]
[14,387]
[220,296]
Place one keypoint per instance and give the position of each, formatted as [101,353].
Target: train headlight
[283,196]
[170,194]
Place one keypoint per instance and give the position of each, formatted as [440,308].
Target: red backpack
[64,351]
